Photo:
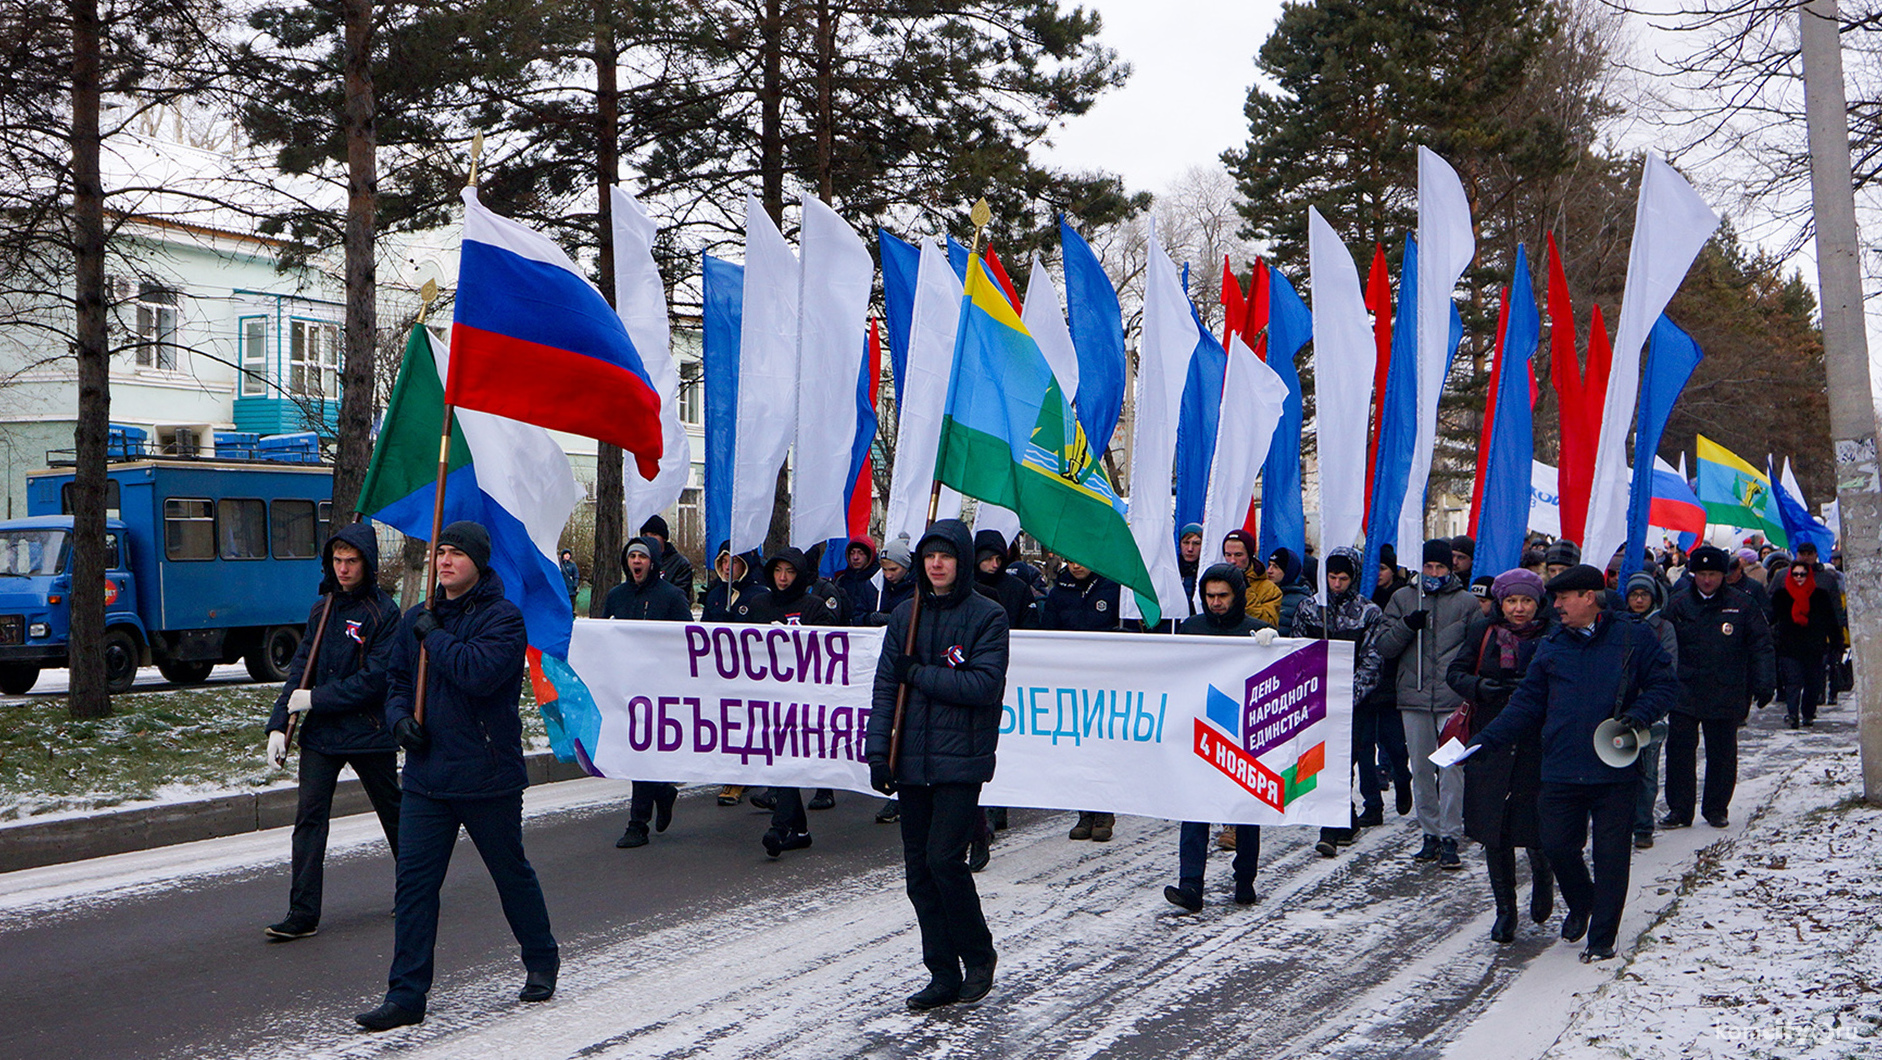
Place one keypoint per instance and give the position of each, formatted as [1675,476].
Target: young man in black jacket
[1224,614]
[341,715]
[956,679]
[673,565]
[463,768]
[794,596]
[645,596]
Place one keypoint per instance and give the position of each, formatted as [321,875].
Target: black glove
[411,735]
[1417,619]
[1764,697]
[1493,686]
[882,778]
[423,626]
[903,666]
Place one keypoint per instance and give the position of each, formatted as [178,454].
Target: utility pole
[1846,367]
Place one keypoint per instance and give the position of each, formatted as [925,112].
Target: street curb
[31,844]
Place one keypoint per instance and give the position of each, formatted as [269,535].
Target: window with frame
[691,392]
[254,356]
[291,525]
[114,503]
[323,522]
[156,326]
[313,359]
[189,529]
[242,527]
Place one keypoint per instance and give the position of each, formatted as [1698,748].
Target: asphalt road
[149,679]
[697,945]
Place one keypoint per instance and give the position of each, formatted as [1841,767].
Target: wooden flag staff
[981,215]
[419,677]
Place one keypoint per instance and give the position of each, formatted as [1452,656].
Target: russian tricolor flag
[534,341]
[1674,506]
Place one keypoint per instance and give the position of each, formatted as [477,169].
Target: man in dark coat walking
[463,769]
[955,678]
[1725,662]
[794,597]
[1591,668]
[341,715]
[1224,613]
[644,596]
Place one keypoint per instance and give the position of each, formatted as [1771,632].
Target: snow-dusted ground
[1740,932]
[1772,948]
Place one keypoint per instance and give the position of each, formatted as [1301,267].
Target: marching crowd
[1520,666]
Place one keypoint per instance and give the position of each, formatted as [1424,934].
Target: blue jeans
[1192,852]
[427,834]
[1649,766]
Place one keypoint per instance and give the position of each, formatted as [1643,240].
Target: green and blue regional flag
[1009,437]
[1734,493]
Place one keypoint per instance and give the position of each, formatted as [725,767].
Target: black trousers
[649,794]
[1802,683]
[427,835]
[1378,734]
[937,821]
[1564,813]
[378,773]
[1682,765]
[788,815]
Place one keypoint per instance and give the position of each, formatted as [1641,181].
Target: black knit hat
[656,524]
[1466,544]
[1563,553]
[1438,550]
[1579,578]
[469,538]
[1708,558]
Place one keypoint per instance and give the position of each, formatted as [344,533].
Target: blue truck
[208,562]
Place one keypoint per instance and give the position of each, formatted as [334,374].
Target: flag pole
[419,678]
[980,215]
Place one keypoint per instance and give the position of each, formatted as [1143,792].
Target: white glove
[278,747]
[1265,637]
[300,701]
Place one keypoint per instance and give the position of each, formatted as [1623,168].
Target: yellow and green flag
[1009,437]
[1734,493]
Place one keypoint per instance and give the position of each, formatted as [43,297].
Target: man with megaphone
[1591,670]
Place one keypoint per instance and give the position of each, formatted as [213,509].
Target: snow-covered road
[1364,955]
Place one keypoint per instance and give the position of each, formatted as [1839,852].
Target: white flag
[1344,358]
[1445,246]
[1169,341]
[767,376]
[932,325]
[640,299]
[836,276]
[1671,223]
[1253,397]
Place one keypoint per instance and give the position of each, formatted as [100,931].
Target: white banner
[1186,728]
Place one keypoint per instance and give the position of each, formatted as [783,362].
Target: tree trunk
[89,697]
[610,490]
[826,134]
[354,445]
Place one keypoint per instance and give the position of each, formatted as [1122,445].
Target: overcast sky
[1192,63]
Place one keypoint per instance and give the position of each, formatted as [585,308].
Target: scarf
[1800,599]
[1508,637]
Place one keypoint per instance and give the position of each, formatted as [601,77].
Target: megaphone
[1618,743]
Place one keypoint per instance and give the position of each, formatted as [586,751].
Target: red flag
[1379,301]
[1234,306]
[1489,410]
[863,494]
[1576,462]
[1255,334]
[999,273]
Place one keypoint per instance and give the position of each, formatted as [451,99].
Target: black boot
[1500,862]
[1541,887]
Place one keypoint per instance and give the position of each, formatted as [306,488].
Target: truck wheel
[18,679]
[121,659]
[268,661]
[185,673]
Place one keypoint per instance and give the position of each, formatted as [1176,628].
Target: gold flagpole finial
[477,153]
[426,295]
[981,215]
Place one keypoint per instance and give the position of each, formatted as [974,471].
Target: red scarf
[1800,598]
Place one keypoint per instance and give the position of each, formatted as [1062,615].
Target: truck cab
[211,561]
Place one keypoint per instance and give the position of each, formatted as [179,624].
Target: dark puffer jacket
[858,584]
[1238,622]
[1725,654]
[951,721]
[810,601]
[1090,605]
[652,600]
[723,597]
[348,715]
[473,681]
